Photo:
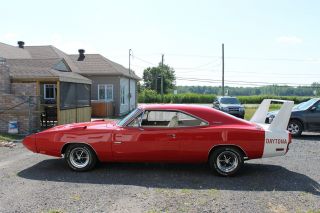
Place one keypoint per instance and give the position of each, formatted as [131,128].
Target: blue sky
[265,41]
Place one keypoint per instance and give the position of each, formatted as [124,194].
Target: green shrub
[150,96]
[257,99]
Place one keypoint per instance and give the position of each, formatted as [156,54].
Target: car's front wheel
[80,157]
[295,128]
[226,161]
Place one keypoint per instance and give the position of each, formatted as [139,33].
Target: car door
[312,117]
[150,141]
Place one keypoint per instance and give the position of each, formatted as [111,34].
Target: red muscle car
[168,133]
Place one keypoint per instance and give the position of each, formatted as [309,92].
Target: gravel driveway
[37,183]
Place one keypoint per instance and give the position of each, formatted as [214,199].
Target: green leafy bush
[150,96]
[257,99]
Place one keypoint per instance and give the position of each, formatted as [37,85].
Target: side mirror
[313,108]
[139,121]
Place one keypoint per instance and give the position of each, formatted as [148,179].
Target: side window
[158,118]
[317,105]
[185,120]
[170,119]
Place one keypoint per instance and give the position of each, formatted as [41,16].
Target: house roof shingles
[42,69]
[96,64]
[31,65]
[8,51]
[45,52]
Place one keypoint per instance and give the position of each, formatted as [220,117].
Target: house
[111,83]
[42,84]
[114,87]
[39,84]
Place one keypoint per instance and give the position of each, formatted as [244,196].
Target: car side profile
[230,105]
[168,133]
[305,117]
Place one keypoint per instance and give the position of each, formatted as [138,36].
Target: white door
[124,95]
[133,94]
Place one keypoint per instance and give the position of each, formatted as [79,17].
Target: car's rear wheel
[295,128]
[226,161]
[80,157]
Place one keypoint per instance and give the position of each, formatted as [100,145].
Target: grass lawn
[251,109]
[8,137]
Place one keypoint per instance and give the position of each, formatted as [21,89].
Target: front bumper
[30,143]
[239,114]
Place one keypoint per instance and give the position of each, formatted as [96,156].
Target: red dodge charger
[169,133]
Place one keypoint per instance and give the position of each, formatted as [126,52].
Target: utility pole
[162,59]
[129,95]
[222,69]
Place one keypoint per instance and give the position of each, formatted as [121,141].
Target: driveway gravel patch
[38,183]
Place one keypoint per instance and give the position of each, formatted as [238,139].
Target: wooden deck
[76,115]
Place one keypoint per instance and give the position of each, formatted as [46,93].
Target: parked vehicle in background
[230,105]
[304,117]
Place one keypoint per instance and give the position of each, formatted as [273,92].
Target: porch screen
[73,95]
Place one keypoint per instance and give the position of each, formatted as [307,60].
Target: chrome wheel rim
[227,161]
[293,128]
[79,157]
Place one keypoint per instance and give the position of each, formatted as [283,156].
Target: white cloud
[289,40]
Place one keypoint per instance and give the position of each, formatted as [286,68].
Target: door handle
[117,142]
[172,135]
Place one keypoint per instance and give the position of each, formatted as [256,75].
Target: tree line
[275,90]
[162,78]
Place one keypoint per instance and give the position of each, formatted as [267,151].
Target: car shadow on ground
[253,177]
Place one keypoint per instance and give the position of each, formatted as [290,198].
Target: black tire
[229,168]
[295,128]
[80,157]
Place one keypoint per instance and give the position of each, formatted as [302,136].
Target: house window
[122,95]
[105,92]
[49,91]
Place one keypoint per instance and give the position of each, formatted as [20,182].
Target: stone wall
[4,78]
[22,109]
[24,89]
[18,102]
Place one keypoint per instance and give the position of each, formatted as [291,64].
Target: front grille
[233,109]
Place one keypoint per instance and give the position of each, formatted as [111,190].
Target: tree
[152,78]
[316,87]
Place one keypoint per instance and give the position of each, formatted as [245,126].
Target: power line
[199,67]
[145,61]
[250,84]
[240,82]
[249,58]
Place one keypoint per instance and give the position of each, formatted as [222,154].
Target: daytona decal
[275,143]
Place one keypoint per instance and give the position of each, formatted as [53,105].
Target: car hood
[276,112]
[98,124]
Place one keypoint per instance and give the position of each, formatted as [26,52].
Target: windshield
[229,101]
[305,105]
[125,119]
